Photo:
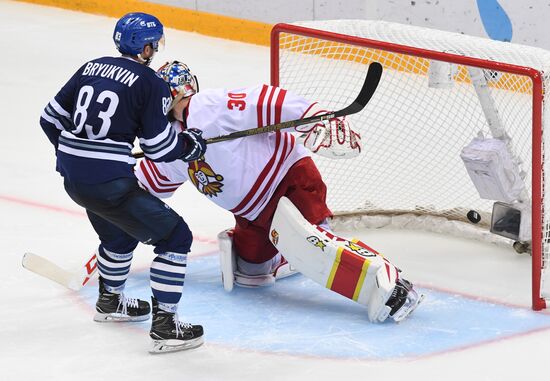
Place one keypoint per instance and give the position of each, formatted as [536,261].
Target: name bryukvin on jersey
[110,71]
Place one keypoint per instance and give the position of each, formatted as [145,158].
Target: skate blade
[166,346]
[118,318]
[401,315]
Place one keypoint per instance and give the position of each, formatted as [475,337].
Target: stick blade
[44,267]
[374,74]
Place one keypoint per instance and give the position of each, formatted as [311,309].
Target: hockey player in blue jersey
[93,122]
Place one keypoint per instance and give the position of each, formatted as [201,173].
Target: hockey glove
[195,145]
[334,139]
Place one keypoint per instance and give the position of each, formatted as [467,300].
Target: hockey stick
[367,91]
[73,280]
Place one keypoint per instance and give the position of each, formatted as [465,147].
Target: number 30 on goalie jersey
[333,138]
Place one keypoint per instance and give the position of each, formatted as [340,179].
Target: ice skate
[113,307]
[403,300]
[170,335]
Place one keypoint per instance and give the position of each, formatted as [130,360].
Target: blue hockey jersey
[95,118]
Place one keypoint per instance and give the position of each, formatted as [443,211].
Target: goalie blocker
[348,267]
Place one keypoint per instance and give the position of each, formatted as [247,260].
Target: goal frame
[538,303]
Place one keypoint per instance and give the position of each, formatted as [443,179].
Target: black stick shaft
[367,91]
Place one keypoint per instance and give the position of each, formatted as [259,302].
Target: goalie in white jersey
[249,176]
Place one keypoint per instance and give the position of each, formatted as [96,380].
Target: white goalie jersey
[239,175]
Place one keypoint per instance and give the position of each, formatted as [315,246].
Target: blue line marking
[299,317]
[496,22]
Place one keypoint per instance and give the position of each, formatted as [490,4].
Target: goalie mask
[181,81]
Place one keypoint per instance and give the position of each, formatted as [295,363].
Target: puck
[473,216]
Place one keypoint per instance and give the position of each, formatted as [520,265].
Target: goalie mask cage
[439,90]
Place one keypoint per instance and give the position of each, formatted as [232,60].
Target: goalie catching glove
[333,139]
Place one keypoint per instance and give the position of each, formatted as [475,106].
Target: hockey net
[410,173]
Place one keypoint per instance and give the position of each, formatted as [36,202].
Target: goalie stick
[73,280]
[372,79]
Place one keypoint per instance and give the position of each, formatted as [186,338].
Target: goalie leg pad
[348,267]
[228,259]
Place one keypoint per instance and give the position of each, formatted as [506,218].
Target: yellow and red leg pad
[348,267]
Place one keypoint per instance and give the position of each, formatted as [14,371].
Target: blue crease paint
[297,317]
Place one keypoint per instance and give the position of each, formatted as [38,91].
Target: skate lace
[180,326]
[127,302]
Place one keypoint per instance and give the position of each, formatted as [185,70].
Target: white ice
[46,332]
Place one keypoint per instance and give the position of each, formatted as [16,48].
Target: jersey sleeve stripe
[268,105]
[150,182]
[259,106]
[160,148]
[51,120]
[279,105]
[65,121]
[151,142]
[60,110]
[156,171]
[161,179]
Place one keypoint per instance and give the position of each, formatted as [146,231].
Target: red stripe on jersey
[348,273]
[259,106]
[152,183]
[271,179]
[156,171]
[260,179]
[268,106]
[279,105]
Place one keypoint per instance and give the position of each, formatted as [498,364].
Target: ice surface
[474,325]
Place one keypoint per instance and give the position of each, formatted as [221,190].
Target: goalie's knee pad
[348,267]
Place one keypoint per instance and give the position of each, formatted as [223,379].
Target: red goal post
[324,60]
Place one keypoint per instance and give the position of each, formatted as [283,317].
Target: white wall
[521,21]
[274,11]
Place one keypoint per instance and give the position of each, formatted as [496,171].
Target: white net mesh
[412,134]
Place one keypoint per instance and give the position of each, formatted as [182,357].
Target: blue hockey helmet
[135,30]
[179,78]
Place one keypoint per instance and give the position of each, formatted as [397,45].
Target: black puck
[473,216]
